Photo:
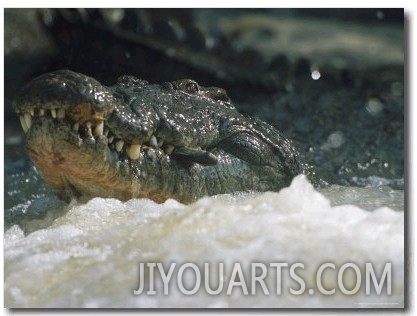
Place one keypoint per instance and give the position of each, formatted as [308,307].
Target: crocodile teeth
[98,131]
[111,138]
[75,127]
[53,113]
[32,112]
[90,140]
[106,132]
[28,120]
[160,143]
[169,149]
[133,151]
[60,114]
[153,142]
[41,112]
[151,154]
[89,133]
[23,123]
[119,145]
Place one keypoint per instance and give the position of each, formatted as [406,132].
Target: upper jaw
[82,103]
[64,89]
[65,96]
[88,130]
[92,110]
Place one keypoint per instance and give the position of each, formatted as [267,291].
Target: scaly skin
[135,139]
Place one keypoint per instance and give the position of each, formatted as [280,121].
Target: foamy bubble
[89,257]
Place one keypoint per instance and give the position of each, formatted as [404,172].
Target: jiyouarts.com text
[275,278]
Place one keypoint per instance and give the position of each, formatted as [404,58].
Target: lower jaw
[69,180]
[68,166]
[89,169]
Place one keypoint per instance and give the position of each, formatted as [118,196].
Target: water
[89,255]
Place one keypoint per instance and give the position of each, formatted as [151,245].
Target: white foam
[90,256]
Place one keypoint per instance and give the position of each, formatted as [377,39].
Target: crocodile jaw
[65,117]
[139,140]
[76,166]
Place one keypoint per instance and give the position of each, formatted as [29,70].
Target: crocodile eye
[217,94]
[186,85]
[191,87]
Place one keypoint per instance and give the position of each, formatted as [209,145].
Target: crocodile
[174,140]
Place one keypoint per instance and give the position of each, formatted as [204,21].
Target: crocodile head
[175,140]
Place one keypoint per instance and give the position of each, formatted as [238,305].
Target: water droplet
[374,106]
[315,75]
[336,139]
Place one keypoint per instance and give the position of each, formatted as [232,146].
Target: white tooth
[153,142]
[90,140]
[133,151]
[106,132]
[32,112]
[53,113]
[76,127]
[119,145]
[28,120]
[41,112]
[23,123]
[111,138]
[60,114]
[151,154]
[160,143]
[169,149]
[89,133]
[98,131]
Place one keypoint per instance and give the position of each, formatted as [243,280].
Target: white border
[410,12]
